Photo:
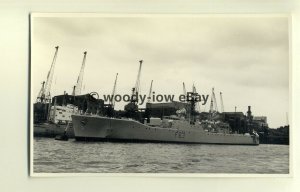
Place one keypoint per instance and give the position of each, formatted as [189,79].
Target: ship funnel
[249,113]
[249,110]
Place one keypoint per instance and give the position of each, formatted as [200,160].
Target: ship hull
[51,130]
[109,129]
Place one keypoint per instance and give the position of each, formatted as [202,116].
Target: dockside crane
[136,89]
[213,102]
[78,87]
[211,108]
[197,104]
[222,104]
[132,107]
[44,95]
[150,91]
[41,95]
[184,91]
[112,101]
[194,88]
[138,79]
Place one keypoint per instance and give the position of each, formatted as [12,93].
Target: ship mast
[73,92]
[44,95]
[193,101]
[78,87]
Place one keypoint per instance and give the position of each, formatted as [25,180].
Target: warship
[168,129]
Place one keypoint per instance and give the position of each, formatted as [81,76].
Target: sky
[244,57]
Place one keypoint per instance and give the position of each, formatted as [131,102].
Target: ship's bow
[90,127]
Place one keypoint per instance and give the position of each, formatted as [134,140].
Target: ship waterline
[87,127]
[51,130]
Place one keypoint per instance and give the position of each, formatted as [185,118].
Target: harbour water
[51,156]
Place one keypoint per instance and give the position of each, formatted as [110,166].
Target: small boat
[63,137]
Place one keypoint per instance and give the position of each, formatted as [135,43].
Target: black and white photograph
[159,94]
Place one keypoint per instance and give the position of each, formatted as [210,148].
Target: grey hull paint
[103,128]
